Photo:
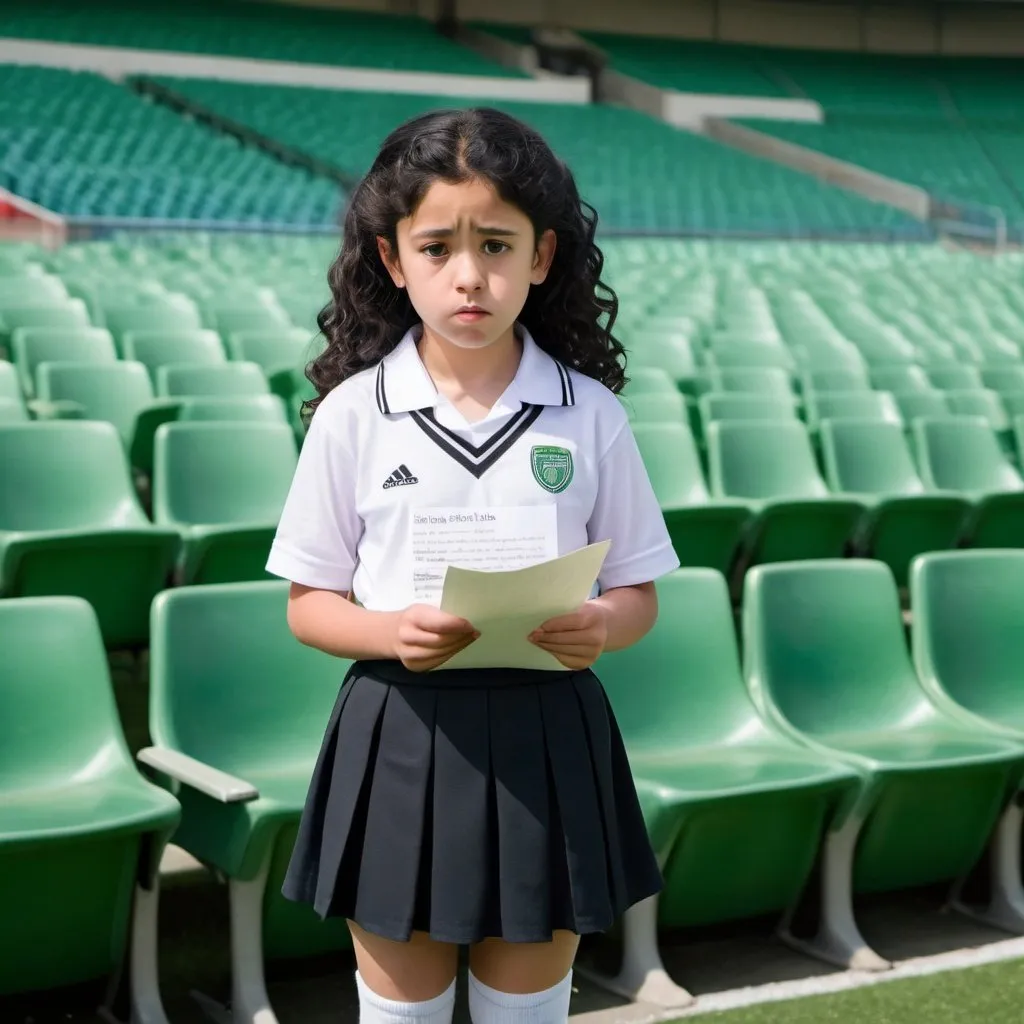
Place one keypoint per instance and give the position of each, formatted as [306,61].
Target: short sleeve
[627,513]
[318,534]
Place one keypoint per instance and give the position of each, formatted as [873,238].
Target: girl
[470,365]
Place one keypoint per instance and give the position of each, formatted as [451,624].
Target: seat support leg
[643,977]
[838,939]
[1005,909]
[250,1003]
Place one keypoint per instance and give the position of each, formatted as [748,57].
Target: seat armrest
[201,777]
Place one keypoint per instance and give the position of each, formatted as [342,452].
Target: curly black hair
[570,315]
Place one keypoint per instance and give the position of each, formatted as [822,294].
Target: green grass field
[993,994]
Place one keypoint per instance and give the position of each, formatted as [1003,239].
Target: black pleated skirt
[472,804]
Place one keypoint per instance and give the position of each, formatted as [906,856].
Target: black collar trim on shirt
[477,459]
[568,396]
[382,398]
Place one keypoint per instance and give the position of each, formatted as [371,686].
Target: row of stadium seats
[234,28]
[640,173]
[83,146]
[830,746]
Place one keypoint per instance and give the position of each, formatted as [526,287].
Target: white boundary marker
[775,992]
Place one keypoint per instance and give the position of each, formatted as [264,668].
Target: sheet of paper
[506,606]
[489,539]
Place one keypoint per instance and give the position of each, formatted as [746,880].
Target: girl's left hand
[576,639]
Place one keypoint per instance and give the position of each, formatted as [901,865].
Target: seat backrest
[60,476]
[207,473]
[273,350]
[968,634]
[858,405]
[10,388]
[1008,379]
[260,318]
[740,405]
[198,347]
[655,407]
[673,465]
[681,686]
[900,378]
[766,459]
[70,313]
[34,345]
[58,719]
[12,410]
[915,404]
[961,453]
[839,379]
[868,457]
[230,685]
[823,642]
[254,408]
[750,354]
[645,379]
[979,402]
[158,318]
[768,380]
[114,392]
[223,381]
[955,378]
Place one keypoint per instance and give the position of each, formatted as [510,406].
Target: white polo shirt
[387,452]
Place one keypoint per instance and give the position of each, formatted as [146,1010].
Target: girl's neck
[471,379]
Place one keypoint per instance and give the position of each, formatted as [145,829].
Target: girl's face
[468,259]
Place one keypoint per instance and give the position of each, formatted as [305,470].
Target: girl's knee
[491,1006]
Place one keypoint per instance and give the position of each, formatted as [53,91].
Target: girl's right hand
[426,637]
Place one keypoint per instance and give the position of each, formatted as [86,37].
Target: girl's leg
[404,982]
[521,983]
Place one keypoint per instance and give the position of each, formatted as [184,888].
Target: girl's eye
[435,250]
[495,248]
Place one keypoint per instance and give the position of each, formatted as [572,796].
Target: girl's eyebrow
[448,232]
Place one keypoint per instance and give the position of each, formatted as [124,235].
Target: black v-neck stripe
[382,398]
[519,425]
[477,451]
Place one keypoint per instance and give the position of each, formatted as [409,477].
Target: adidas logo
[401,478]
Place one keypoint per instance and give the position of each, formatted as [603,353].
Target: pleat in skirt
[472,804]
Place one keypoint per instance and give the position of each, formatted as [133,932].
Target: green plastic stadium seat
[769,381]
[12,410]
[826,658]
[645,379]
[225,381]
[704,532]
[231,689]
[740,405]
[260,318]
[248,408]
[70,523]
[955,378]
[961,453]
[70,314]
[1004,379]
[981,402]
[771,465]
[655,407]
[80,829]
[31,288]
[901,378]
[274,350]
[872,458]
[115,392]
[197,347]
[835,380]
[727,797]
[750,355]
[10,387]
[858,405]
[151,319]
[31,346]
[223,486]
[915,405]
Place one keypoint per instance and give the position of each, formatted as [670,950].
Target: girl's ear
[389,258]
[543,256]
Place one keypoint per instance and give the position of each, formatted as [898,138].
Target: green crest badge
[552,467]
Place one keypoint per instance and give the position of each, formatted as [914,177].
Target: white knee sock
[374,1009]
[488,1006]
